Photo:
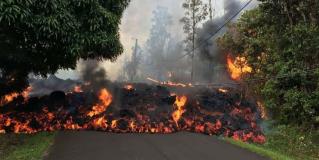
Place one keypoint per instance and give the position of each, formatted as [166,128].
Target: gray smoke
[93,75]
[211,61]
[165,54]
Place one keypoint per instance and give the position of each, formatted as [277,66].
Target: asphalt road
[179,146]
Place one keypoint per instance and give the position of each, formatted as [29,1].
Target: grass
[286,143]
[24,147]
[259,150]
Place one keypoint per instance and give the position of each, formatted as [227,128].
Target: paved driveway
[179,146]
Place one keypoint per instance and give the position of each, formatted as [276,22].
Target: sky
[136,24]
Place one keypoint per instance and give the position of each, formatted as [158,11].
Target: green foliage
[195,13]
[40,36]
[286,143]
[281,41]
[294,142]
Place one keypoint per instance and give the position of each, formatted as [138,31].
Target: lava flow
[10,97]
[137,108]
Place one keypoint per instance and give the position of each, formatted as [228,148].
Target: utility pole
[132,65]
[193,40]
[135,50]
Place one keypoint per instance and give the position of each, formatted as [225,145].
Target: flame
[132,126]
[100,122]
[114,124]
[238,67]
[77,89]
[129,87]
[222,90]
[25,94]
[263,112]
[105,98]
[170,83]
[10,97]
[179,103]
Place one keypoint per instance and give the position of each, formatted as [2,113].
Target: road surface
[179,146]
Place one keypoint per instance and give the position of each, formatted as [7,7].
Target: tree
[280,41]
[156,45]
[195,13]
[41,37]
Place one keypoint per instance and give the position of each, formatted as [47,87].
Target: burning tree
[41,37]
[195,13]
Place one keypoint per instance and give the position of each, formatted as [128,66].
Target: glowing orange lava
[10,97]
[238,67]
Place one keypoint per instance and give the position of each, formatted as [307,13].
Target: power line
[219,29]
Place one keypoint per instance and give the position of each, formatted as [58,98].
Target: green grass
[286,143]
[259,150]
[24,147]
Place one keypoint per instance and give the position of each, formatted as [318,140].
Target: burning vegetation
[238,67]
[137,108]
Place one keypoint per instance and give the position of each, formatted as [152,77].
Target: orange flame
[222,90]
[100,122]
[114,124]
[26,92]
[170,83]
[10,97]
[105,98]
[238,67]
[262,109]
[77,89]
[179,103]
[129,87]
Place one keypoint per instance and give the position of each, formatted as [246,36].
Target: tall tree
[195,13]
[40,37]
[156,44]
